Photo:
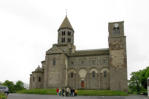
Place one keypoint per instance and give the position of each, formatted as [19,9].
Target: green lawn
[80,92]
[101,93]
[39,91]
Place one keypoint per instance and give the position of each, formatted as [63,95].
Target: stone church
[84,69]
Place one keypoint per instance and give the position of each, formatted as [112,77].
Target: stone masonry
[84,69]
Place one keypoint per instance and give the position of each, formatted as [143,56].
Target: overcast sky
[28,28]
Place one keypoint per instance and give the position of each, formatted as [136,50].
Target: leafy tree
[10,85]
[14,87]
[19,85]
[138,81]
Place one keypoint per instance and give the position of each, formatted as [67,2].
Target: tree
[138,81]
[10,85]
[19,85]
[14,87]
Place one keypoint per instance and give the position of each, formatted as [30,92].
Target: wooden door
[82,84]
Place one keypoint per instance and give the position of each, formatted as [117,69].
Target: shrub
[3,96]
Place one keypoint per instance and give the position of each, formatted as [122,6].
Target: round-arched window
[71,75]
[93,74]
[105,74]
[54,62]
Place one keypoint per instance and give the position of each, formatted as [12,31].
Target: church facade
[84,69]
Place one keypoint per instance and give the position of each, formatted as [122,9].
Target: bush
[3,96]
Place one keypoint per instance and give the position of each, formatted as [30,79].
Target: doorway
[82,84]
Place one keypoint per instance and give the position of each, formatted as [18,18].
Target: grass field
[80,92]
[101,93]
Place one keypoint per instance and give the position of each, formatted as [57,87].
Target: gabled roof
[65,24]
[54,50]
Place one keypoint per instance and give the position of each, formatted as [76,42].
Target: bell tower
[65,33]
[118,57]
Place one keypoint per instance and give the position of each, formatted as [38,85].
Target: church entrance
[82,84]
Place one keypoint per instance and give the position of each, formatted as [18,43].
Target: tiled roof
[90,52]
[66,24]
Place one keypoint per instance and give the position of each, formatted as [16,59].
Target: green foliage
[3,96]
[19,85]
[138,81]
[80,92]
[10,85]
[14,87]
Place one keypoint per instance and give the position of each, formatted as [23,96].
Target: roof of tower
[65,24]
[38,70]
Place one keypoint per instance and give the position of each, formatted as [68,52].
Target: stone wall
[56,70]
[36,80]
[83,67]
[118,57]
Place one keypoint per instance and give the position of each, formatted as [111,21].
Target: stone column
[148,86]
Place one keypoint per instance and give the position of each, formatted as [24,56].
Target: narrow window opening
[54,62]
[63,39]
[72,75]
[39,79]
[93,74]
[69,33]
[69,40]
[116,29]
[105,74]
[63,33]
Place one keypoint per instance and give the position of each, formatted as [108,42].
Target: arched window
[39,79]
[69,33]
[63,32]
[54,62]
[69,40]
[116,29]
[93,74]
[63,39]
[71,75]
[105,74]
